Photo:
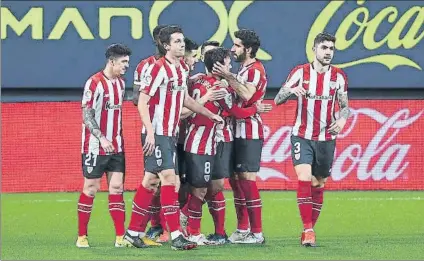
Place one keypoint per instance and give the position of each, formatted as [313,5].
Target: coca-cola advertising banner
[380,148]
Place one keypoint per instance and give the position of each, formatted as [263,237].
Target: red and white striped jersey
[200,137]
[142,67]
[226,134]
[105,97]
[252,127]
[315,110]
[203,134]
[139,74]
[166,84]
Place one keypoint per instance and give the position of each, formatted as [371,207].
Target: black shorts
[94,166]
[318,154]
[223,165]
[247,155]
[180,163]
[199,169]
[163,157]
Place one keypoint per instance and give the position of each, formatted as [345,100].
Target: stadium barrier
[379,149]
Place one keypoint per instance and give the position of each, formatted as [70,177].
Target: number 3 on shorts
[297,147]
[207,167]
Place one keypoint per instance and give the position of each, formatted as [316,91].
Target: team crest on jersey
[89,169]
[159,162]
[333,85]
[207,178]
[147,80]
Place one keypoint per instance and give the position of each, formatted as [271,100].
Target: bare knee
[167,178]
[247,176]
[91,186]
[199,192]
[318,182]
[304,172]
[216,186]
[150,181]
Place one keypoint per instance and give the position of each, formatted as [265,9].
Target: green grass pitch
[353,225]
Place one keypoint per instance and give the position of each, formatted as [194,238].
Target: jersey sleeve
[155,75]
[140,72]
[342,79]
[257,78]
[90,93]
[294,78]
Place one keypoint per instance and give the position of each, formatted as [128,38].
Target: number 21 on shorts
[90,157]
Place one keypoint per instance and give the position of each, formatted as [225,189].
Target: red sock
[195,215]
[184,209]
[304,201]
[317,201]
[117,212]
[240,205]
[217,209]
[253,204]
[168,197]
[155,220]
[140,214]
[163,221]
[85,205]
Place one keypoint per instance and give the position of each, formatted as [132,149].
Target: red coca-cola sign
[381,147]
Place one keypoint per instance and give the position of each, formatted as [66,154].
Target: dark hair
[117,50]
[209,43]
[322,37]
[156,31]
[215,55]
[190,45]
[249,39]
[165,34]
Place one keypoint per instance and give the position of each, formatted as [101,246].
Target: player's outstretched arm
[211,95]
[88,115]
[194,106]
[243,90]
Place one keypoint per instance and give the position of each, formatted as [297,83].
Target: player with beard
[250,86]
[317,86]
[202,150]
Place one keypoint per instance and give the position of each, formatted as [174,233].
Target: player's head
[172,40]
[118,58]
[219,54]
[190,56]
[324,46]
[156,32]
[206,46]
[246,44]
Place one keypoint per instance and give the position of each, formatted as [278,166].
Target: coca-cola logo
[381,157]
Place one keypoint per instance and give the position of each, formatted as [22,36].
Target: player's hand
[298,91]
[177,183]
[217,119]
[222,84]
[149,144]
[263,107]
[337,126]
[216,95]
[221,70]
[106,145]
